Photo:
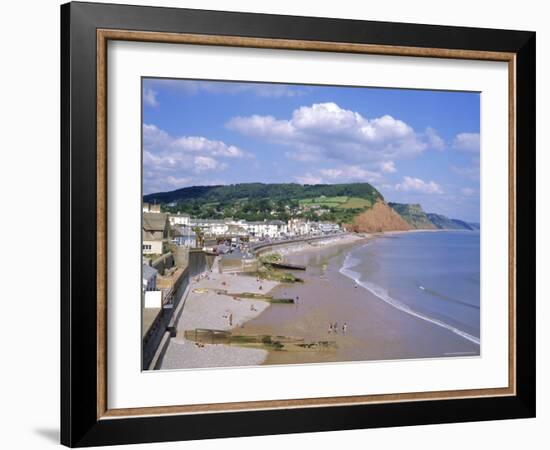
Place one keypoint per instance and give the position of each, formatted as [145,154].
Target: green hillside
[259,201]
[413,214]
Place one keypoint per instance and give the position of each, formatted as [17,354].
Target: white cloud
[158,141]
[308,178]
[417,185]
[205,163]
[434,140]
[343,174]
[350,173]
[263,126]
[170,161]
[468,142]
[327,131]
[177,182]
[388,167]
[150,97]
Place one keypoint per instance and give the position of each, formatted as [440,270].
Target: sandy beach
[373,330]
[206,308]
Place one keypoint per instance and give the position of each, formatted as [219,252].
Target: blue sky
[414,146]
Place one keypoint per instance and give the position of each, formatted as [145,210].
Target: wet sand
[375,330]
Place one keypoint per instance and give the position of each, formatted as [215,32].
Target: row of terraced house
[161,228]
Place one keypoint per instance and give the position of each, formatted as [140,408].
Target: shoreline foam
[383,295]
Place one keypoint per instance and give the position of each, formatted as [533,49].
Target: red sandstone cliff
[379,218]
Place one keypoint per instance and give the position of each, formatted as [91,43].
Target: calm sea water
[432,276]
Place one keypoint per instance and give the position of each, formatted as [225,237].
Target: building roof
[149,272]
[154,222]
[265,222]
[236,229]
[208,221]
[148,236]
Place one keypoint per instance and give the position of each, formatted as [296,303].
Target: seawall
[155,341]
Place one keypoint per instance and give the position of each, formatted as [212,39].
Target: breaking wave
[351,261]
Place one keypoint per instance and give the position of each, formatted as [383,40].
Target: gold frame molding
[105,35]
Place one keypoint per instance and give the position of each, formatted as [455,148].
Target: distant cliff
[379,218]
[444,223]
[414,215]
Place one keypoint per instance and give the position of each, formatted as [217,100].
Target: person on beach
[329,328]
[231,319]
[336,327]
[344,328]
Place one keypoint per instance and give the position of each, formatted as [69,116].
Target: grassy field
[356,202]
[327,202]
[342,202]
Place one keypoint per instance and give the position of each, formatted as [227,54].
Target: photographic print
[305,198]
[299,224]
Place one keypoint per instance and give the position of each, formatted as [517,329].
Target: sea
[434,276]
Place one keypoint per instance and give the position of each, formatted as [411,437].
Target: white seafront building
[210,227]
[328,227]
[266,229]
[151,208]
[179,219]
[183,226]
[299,227]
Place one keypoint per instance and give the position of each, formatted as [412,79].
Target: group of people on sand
[202,276]
[333,328]
[229,316]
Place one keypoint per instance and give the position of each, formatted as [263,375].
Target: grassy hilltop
[259,201]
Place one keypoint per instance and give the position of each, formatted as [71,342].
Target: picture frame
[86,418]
